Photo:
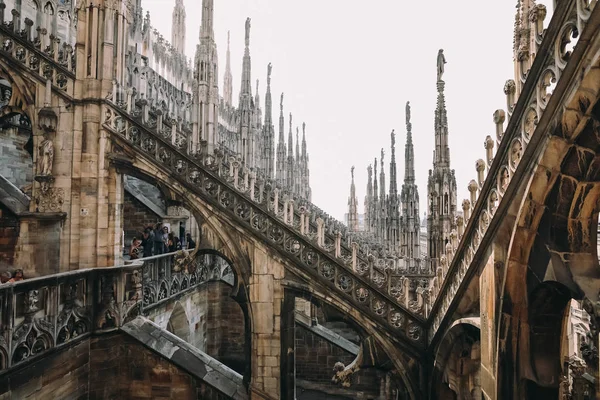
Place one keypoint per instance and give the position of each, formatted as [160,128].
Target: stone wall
[17,163]
[136,216]
[121,368]
[9,233]
[315,358]
[112,366]
[39,242]
[60,375]
[225,327]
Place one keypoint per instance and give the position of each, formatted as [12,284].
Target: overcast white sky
[348,67]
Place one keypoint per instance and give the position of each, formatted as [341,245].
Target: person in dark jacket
[189,241]
[148,241]
[159,242]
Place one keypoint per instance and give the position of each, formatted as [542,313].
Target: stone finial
[460,224]
[510,89]
[499,117]
[480,168]
[247,31]
[454,238]
[489,149]
[443,261]
[466,205]
[473,186]
[281,102]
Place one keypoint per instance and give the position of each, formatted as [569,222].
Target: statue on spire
[393,139]
[352,173]
[407,112]
[247,31]
[382,154]
[269,69]
[303,128]
[441,60]
[281,102]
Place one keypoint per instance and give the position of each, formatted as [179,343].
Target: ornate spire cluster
[392,223]
[242,130]
[441,184]
[391,219]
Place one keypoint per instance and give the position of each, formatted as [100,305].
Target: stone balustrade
[45,313]
[53,64]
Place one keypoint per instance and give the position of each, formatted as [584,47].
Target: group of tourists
[157,240]
[10,277]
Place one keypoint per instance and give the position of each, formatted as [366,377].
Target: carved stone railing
[53,63]
[487,205]
[258,207]
[164,277]
[40,314]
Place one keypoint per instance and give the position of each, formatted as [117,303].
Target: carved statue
[31,301]
[269,69]
[303,128]
[382,155]
[6,95]
[441,60]
[247,31]
[407,112]
[45,157]
[352,172]
[281,102]
[393,138]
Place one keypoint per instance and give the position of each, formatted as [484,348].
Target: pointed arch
[179,324]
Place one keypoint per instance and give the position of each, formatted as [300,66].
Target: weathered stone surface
[185,356]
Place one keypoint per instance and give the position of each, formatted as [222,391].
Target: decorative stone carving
[45,156]
[49,199]
[441,60]
[31,302]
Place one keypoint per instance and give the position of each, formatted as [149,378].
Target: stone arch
[457,362]
[179,324]
[403,363]
[552,248]
[230,249]
[240,296]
